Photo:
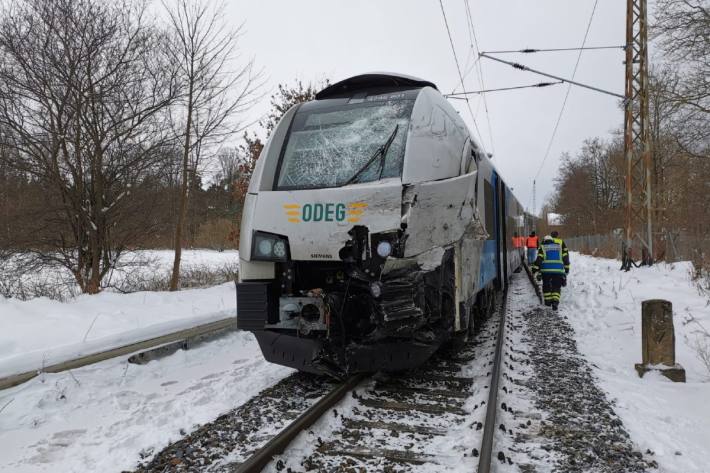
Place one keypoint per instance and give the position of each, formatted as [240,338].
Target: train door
[502,237]
[498,230]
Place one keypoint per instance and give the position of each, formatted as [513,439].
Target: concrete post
[658,341]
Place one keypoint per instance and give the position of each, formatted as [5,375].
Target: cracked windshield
[326,147]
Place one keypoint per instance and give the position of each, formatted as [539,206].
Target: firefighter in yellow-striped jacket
[552,266]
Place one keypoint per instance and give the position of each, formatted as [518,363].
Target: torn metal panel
[439,214]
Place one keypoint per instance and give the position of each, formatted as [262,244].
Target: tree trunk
[182,212]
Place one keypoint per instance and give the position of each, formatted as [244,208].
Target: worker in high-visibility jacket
[519,245]
[531,243]
[552,266]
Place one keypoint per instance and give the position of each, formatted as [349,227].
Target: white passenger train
[375,229]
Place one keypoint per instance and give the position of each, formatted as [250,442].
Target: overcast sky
[314,39]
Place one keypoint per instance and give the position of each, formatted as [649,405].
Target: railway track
[441,416]
[432,417]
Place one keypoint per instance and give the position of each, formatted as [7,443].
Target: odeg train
[375,229]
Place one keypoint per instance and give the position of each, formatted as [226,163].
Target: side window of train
[466,157]
[488,197]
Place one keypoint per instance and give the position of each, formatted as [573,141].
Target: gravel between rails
[426,420]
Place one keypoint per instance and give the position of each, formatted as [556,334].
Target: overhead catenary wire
[523,67]
[455,95]
[474,44]
[458,68]
[552,50]
[569,88]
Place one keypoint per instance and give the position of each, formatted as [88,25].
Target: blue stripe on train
[488,263]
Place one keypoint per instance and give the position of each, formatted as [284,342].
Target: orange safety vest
[532,242]
[518,241]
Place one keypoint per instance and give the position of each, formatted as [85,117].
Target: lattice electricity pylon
[637,144]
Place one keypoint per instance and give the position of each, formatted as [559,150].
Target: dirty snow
[603,305]
[103,417]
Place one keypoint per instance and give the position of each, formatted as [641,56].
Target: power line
[458,68]
[523,67]
[552,50]
[472,35]
[540,84]
[569,87]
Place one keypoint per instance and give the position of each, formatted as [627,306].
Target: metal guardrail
[186,334]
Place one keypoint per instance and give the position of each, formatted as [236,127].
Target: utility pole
[534,207]
[637,143]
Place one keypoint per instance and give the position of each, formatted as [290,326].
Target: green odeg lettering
[320,212]
[340,212]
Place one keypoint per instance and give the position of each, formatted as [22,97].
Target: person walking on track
[552,266]
[531,243]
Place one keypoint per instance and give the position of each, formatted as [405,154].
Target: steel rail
[484,461]
[186,334]
[281,441]
[532,281]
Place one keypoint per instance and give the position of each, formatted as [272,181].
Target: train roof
[372,80]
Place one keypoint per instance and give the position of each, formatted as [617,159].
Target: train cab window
[333,144]
[468,159]
[490,217]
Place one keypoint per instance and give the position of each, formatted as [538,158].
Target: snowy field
[40,331]
[105,416]
[603,305]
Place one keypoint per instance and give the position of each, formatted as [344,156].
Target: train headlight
[269,247]
[384,249]
[280,249]
[265,247]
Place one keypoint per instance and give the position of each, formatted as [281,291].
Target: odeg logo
[325,212]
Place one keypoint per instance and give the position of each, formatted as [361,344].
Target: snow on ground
[101,417]
[603,305]
[41,332]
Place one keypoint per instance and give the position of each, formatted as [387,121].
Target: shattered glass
[326,147]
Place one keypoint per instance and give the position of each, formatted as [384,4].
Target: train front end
[326,283]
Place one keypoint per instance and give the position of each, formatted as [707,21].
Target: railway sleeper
[410,406]
[398,456]
[393,426]
[435,393]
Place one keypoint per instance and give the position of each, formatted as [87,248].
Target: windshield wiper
[380,152]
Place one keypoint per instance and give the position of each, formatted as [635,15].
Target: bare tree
[682,28]
[82,87]
[203,47]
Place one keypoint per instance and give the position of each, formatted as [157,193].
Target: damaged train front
[324,284]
